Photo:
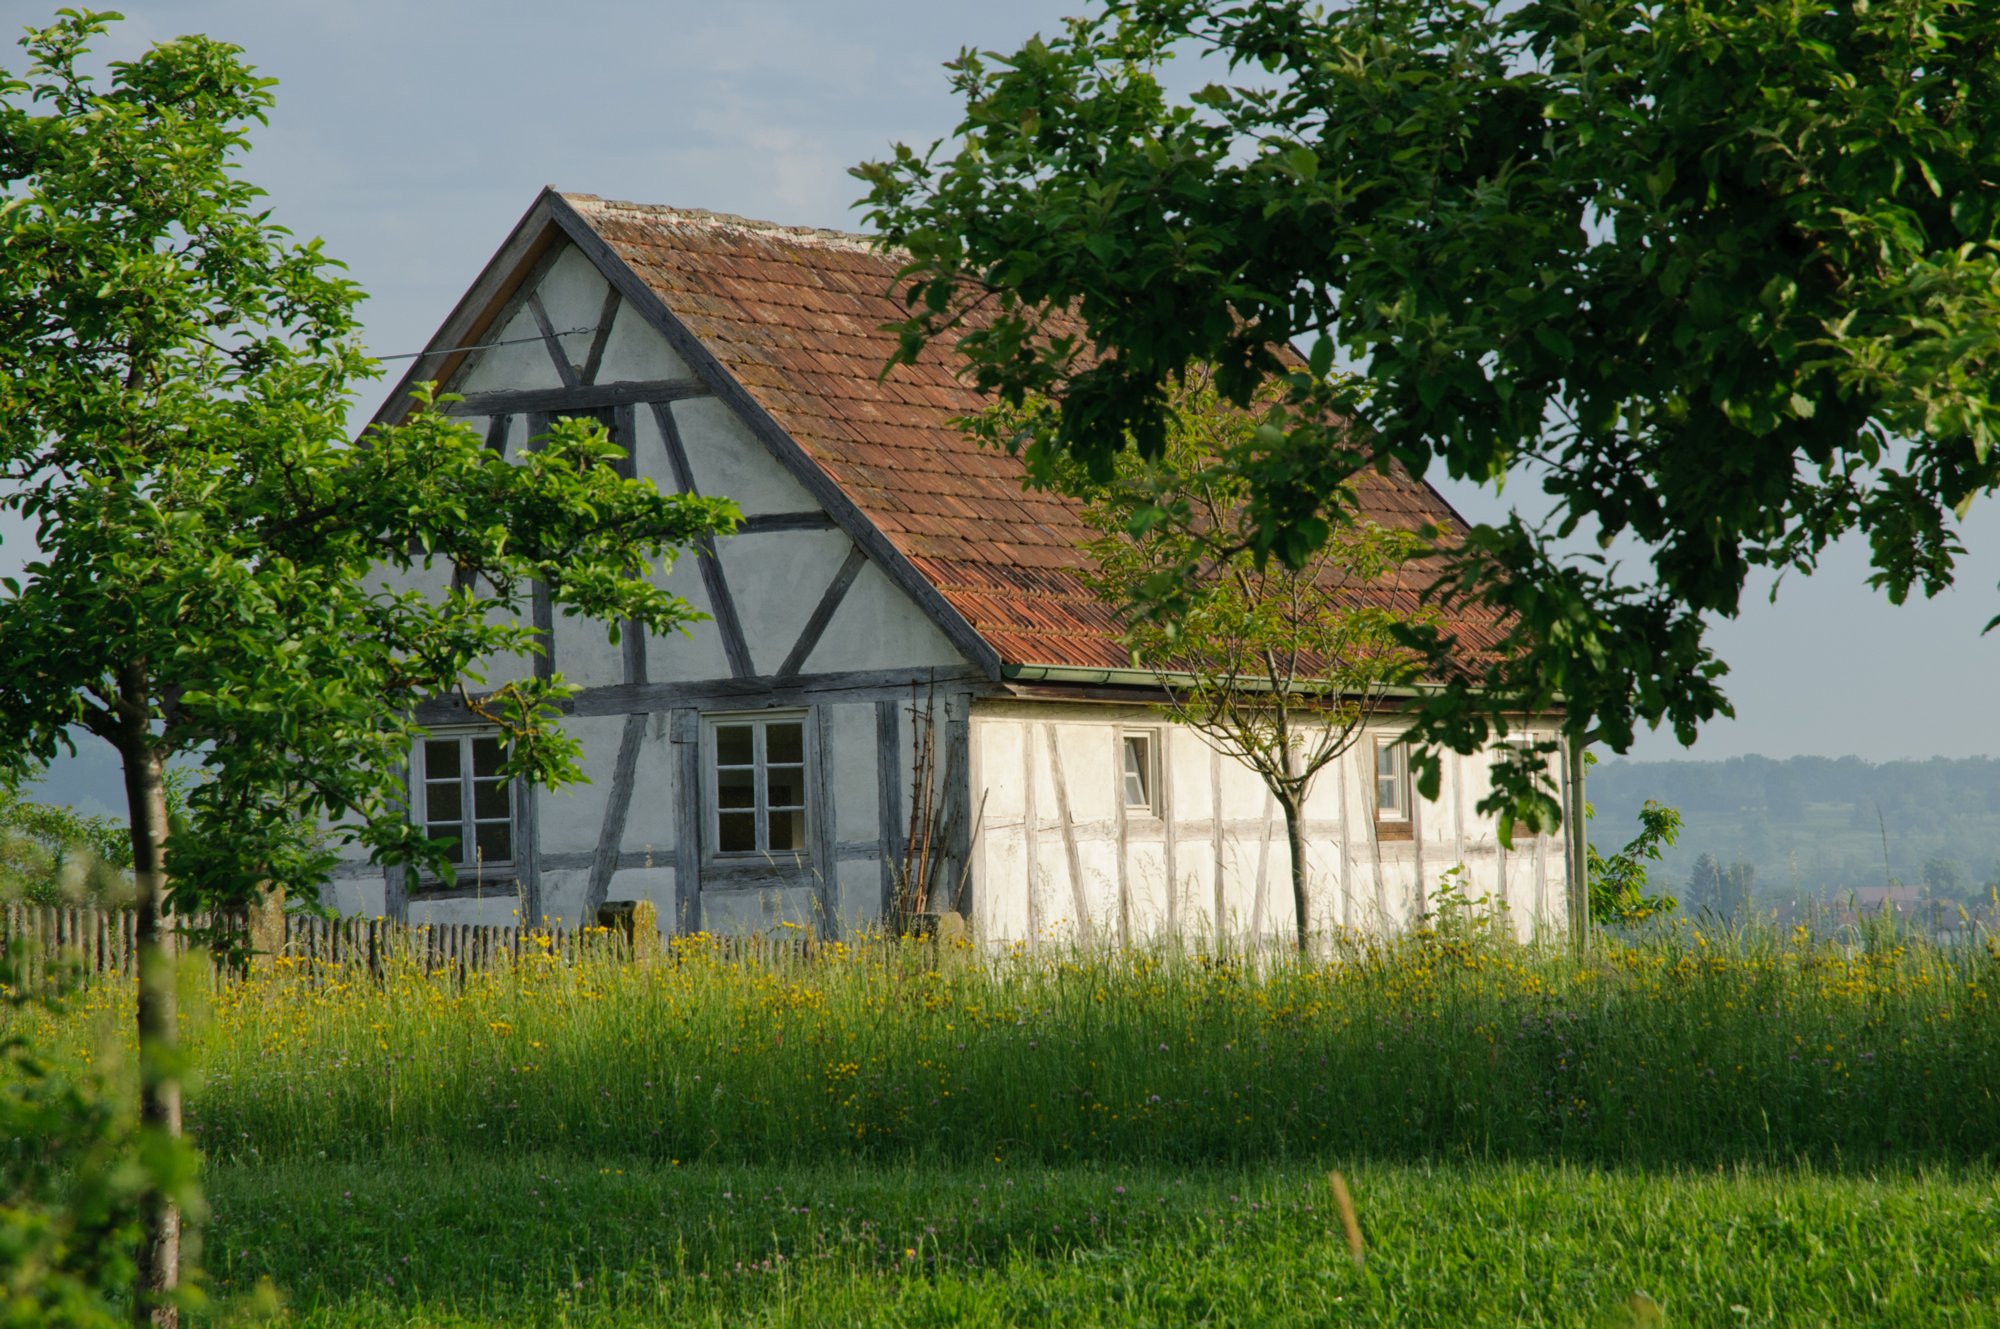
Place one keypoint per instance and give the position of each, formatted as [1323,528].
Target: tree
[1705,887]
[1277,667]
[67,1175]
[224,575]
[50,853]
[1738,889]
[1945,880]
[1618,884]
[1724,271]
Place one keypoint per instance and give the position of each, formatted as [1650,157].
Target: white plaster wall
[520,364]
[879,627]
[571,817]
[649,452]
[696,652]
[365,897]
[501,909]
[572,293]
[1027,891]
[768,910]
[649,821]
[851,762]
[777,579]
[635,352]
[655,885]
[1191,793]
[563,895]
[1000,852]
[727,459]
[859,894]
[584,653]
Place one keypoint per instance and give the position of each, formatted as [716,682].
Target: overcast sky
[412,135]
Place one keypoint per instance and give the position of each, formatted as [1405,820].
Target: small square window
[1140,773]
[757,785]
[1392,781]
[460,796]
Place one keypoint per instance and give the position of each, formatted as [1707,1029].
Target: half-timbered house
[901,674]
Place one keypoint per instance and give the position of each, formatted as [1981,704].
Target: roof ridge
[728,221]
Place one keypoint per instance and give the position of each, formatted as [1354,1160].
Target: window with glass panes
[759,791]
[1392,781]
[465,798]
[1141,774]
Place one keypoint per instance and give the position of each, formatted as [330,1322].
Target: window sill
[1387,832]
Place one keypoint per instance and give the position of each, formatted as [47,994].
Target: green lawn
[1744,1129]
[553,1240]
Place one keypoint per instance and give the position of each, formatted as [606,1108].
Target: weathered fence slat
[105,941]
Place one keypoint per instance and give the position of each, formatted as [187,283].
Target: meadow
[1717,1129]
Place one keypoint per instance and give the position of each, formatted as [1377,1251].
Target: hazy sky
[411,136]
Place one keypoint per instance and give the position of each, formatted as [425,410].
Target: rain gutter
[1147,678]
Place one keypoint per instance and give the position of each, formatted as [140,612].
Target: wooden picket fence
[37,936]
[44,940]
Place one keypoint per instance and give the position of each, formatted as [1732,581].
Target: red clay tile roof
[796,315]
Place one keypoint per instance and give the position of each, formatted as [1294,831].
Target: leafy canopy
[50,854]
[1277,666]
[223,572]
[1722,272]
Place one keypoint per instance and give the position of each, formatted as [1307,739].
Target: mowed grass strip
[563,1239]
[1683,1050]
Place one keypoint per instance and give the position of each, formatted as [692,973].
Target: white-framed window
[756,787]
[1392,781]
[1139,771]
[461,796]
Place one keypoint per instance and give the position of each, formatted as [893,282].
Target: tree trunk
[159,1054]
[1576,838]
[1295,837]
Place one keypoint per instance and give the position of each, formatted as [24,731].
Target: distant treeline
[1817,826]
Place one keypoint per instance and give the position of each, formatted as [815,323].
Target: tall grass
[1683,1048]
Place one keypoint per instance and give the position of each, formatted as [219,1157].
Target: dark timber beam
[595,360]
[564,369]
[823,612]
[808,472]
[889,796]
[616,810]
[827,844]
[720,603]
[582,397]
[959,829]
[798,690]
[543,610]
[785,521]
[685,728]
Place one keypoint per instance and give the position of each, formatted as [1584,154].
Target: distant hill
[1816,826]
